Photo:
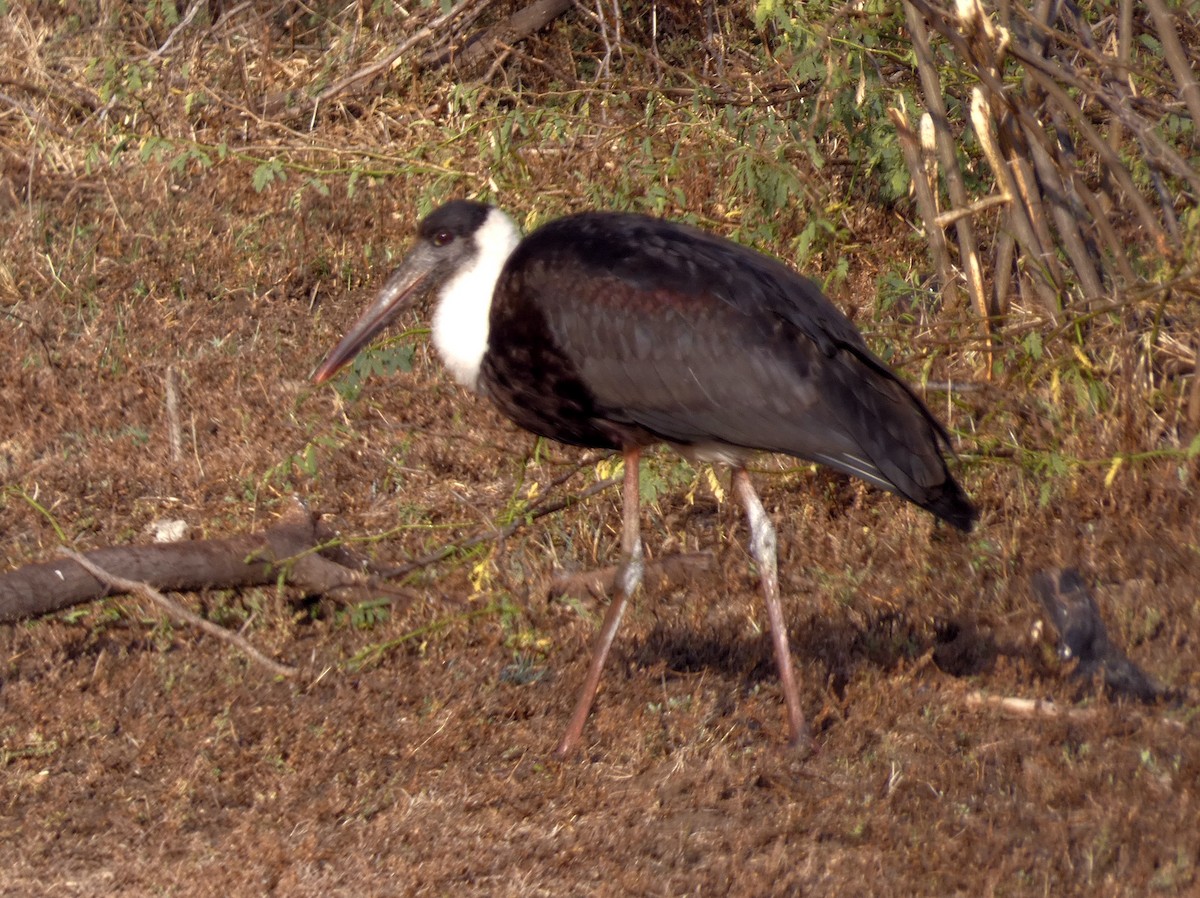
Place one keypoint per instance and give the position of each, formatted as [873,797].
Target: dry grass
[139,758]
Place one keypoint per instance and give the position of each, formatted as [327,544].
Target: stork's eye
[441,238]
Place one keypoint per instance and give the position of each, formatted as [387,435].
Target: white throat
[460,322]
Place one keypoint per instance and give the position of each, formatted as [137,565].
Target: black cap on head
[457,218]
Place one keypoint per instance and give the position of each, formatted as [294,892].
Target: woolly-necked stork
[616,330]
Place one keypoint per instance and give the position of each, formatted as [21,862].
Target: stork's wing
[702,342]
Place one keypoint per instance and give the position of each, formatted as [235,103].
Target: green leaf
[266,173]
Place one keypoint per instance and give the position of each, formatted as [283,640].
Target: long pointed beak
[406,284]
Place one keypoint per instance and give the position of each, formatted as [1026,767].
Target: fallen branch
[520,25]
[440,33]
[374,70]
[285,553]
[297,551]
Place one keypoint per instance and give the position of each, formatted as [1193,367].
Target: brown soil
[412,756]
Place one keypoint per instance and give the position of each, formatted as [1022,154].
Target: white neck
[460,322]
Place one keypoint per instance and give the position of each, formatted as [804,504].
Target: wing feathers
[698,341]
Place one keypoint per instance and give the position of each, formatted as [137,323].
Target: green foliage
[120,79]
[372,654]
[164,11]
[304,464]
[524,670]
[662,474]
[659,474]
[370,614]
[267,173]
[761,171]
[394,356]
[1032,344]
[845,58]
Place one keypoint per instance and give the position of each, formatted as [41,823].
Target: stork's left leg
[763,548]
[629,577]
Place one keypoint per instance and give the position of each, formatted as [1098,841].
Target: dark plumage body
[608,330]
[613,330]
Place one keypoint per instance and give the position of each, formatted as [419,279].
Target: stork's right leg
[763,548]
[629,577]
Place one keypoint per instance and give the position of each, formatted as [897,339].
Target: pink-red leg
[626,582]
[763,548]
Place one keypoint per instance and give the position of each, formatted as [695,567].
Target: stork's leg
[629,576]
[762,547]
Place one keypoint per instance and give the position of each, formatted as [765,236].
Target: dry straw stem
[932,88]
[1057,142]
[179,613]
[910,145]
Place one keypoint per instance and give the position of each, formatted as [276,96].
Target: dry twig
[538,510]
[180,613]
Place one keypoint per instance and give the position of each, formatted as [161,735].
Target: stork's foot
[804,746]
[587,694]
[799,735]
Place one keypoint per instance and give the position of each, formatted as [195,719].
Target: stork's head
[460,250]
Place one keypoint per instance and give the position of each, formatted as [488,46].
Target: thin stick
[950,216]
[1045,74]
[184,22]
[174,430]
[179,613]
[499,533]
[1027,707]
[1053,174]
[982,115]
[1177,59]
